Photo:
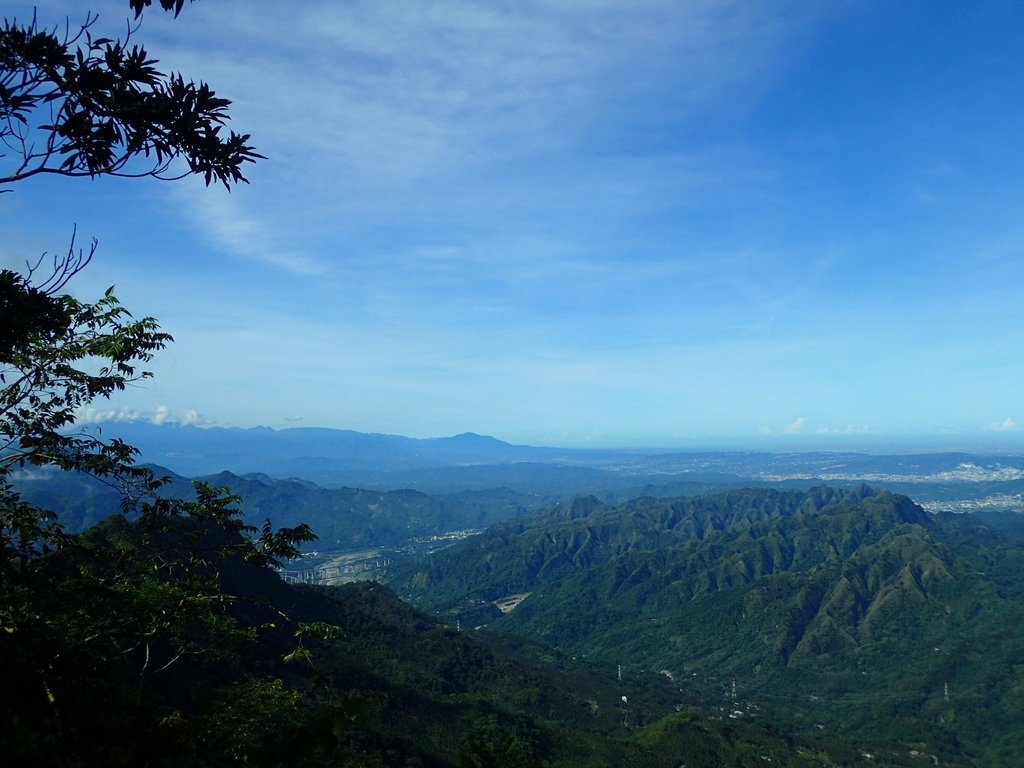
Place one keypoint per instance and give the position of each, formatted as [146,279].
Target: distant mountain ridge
[189,450]
[343,518]
[339,457]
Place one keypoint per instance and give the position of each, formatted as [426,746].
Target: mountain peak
[473,437]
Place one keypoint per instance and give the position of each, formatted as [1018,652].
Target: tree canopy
[79,105]
[111,612]
[76,104]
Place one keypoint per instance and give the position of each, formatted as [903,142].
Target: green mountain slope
[853,613]
[153,643]
[344,518]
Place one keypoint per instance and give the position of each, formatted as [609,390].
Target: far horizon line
[1011,441]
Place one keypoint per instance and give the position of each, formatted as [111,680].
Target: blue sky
[581,223]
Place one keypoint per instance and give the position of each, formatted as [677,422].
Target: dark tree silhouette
[78,105]
[91,625]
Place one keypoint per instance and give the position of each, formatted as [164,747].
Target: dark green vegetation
[851,614]
[167,642]
[344,518]
[200,655]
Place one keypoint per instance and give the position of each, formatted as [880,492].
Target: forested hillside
[853,612]
[344,518]
[168,642]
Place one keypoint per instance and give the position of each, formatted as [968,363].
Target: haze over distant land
[346,457]
[139,428]
[661,224]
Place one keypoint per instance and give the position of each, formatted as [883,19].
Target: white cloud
[190,417]
[91,415]
[1005,426]
[850,429]
[160,415]
[798,425]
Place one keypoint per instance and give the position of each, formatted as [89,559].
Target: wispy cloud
[387,124]
[1008,425]
[798,425]
[235,229]
[849,429]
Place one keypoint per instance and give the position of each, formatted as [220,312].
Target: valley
[832,621]
[856,614]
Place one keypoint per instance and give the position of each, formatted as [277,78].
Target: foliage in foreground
[123,646]
[167,641]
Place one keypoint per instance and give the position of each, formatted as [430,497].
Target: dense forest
[126,663]
[850,611]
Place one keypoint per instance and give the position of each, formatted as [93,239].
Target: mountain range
[191,450]
[343,458]
[743,610]
[855,612]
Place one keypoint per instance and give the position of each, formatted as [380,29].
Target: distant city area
[345,567]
